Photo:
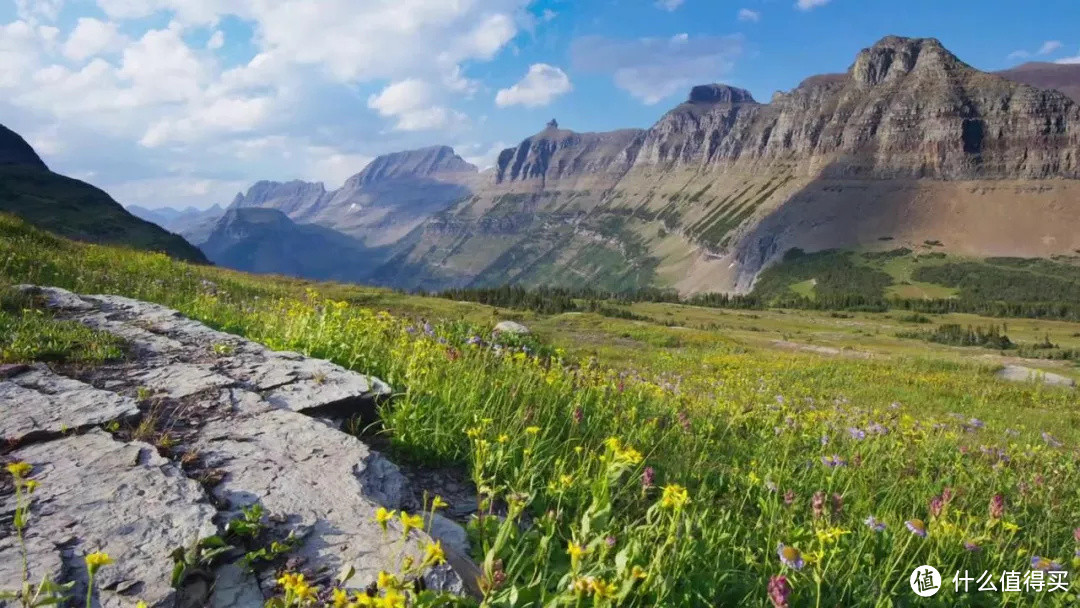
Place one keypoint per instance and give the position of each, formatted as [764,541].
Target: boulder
[511,327]
[1019,373]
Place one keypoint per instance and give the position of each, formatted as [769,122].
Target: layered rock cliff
[909,144]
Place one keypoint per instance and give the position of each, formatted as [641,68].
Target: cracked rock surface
[243,423]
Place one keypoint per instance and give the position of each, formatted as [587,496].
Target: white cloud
[746,14]
[92,37]
[216,41]
[1068,60]
[669,5]
[1049,47]
[32,10]
[332,167]
[540,86]
[478,155]
[411,103]
[805,5]
[653,69]
[1020,54]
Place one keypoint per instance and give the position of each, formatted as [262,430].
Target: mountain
[393,195]
[909,146]
[267,241]
[1064,77]
[73,208]
[192,223]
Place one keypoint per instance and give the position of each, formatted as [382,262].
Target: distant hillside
[75,209]
[267,241]
[1064,77]
[192,223]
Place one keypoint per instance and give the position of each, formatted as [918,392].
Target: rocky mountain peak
[410,164]
[894,57]
[719,93]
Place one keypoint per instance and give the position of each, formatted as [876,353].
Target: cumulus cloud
[155,97]
[652,69]
[1047,48]
[411,103]
[1068,60]
[746,14]
[806,5]
[540,86]
[92,37]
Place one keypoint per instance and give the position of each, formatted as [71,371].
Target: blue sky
[185,102]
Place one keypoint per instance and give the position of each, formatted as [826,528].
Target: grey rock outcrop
[1019,373]
[243,424]
[511,327]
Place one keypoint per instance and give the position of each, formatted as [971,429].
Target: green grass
[598,443]
[28,333]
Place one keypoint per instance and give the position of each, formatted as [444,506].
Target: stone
[100,494]
[325,483]
[511,327]
[39,403]
[1019,373]
[451,533]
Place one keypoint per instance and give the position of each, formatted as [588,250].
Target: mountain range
[911,147]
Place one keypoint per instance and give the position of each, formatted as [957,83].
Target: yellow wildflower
[1010,527]
[19,470]
[576,552]
[532,430]
[383,516]
[675,497]
[31,485]
[603,589]
[94,561]
[504,438]
[386,581]
[362,600]
[411,521]
[830,535]
[637,572]
[341,599]
[581,585]
[434,554]
[439,503]
[392,599]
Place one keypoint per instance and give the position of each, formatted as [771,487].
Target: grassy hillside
[661,460]
[80,211]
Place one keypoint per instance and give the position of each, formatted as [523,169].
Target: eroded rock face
[246,421]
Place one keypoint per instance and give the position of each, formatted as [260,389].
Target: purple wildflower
[837,504]
[648,478]
[874,524]
[878,429]
[610,541]
[936,504]
[1050,440]
[833,461]
[917,527]
[824,440]
[817,504]
[976,423]
[1041,563]
[856,433]
[779,591]
[790,557]
[1076,535]
[971,547]
[474,341]
[579,415]
[997,506]
[789,498]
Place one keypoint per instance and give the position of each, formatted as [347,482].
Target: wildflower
[770,486]
[579,415]
[504,438]
[434,554]
[648,478]
[603,589]
[675,497]
[824,440]
[19,470]
[411,521]
[474,341]
[31,485]
[997,506]
[393,599]
[878,429]
[833,461]
[1008,526]
[439,503]
[1041,563]
[779,591]
[610,541]
[917,527]
[976,423]
[837,504]
[638,573]
[94,561]
[857,434]
[789,497]
[1076,535]
[340,598]
[576,552]
[581,585]
[875,525]
[936,505]
[532,430]
[383,517]
[971,546]
[790,557]
[1051,440]
[385,580]
[817,504]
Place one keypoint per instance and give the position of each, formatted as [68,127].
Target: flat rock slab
[100,494]
[1019,373]
[325,483]
[39,403]
[181,357]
